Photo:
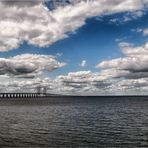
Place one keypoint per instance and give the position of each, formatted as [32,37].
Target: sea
[75,122]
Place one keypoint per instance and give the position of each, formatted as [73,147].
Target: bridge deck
[22,95]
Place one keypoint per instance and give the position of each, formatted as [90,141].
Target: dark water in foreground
[76,122]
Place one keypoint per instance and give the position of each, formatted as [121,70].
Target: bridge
[23,95]
[41,92]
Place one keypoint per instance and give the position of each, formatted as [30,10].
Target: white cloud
[128,74]
[28,65]
[82,82]
[83,63]
[32,22]
[128,16]
[132,66]
[78,83]
[144,31]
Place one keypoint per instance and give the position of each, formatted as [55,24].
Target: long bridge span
[23,95]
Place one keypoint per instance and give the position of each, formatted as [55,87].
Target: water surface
[76,122]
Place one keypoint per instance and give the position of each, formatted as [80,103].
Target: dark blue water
[76,122]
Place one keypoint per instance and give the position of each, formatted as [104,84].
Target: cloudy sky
[77,47]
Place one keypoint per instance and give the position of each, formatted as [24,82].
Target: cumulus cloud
[13,84]
[33,22]
[76,83]
[82,82]
[125,75]
[128,74]
[28,65]
[130,71]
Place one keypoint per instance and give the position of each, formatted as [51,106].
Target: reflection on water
[76,122]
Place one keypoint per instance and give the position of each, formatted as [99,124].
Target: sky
[75,47]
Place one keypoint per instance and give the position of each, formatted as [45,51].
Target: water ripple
[105,123]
